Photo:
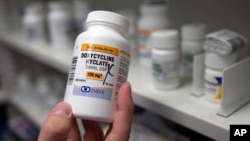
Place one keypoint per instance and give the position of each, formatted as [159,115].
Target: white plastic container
[99,66]
[153,17]
[165,59]
[193,36]
[60,24]
[213,85]
[223,49]
[34,24]
[215,64]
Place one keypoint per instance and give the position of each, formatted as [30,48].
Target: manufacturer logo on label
[85,89]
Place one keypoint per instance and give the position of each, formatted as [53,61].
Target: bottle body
[153,18]
[213,74]
[193,36]
[34,24]
[165,59]
[166,68]
[99,67]
[81,9]
[59,24]
[213,85]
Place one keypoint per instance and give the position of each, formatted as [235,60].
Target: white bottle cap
[81,7]
[192,47]
[193,31]
[156,9]
[165,39]
[34,8]
[216,61]
[108,17]
[166,55]
[56,5]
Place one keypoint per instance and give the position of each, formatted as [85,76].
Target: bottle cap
[215,61]
[81,6]
[34,8]
[192,46]
[55,5]
[169,55]
[224,42]
[193,31]
[155,9]
[165,39]
[108,17]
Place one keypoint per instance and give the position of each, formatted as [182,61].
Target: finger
[121,127]
[93,131]
[58,124]
[74,134]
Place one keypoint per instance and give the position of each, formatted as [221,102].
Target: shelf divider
[236,88]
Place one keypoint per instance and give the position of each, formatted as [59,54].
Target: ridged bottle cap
[157,9]
[165,39]
[193,31]
[108,17]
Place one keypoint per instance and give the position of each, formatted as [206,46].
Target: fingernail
[62,109]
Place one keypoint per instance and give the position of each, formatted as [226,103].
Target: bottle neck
[106,27]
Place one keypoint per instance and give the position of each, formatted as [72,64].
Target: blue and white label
[102,93]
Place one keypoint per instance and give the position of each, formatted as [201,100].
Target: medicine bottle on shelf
[81,8]
[222,50]
[60,24]
[100,65]
[165,59]
[214,74]
[192,39]
[34,23]
[153,17]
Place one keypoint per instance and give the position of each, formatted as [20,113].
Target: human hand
[60,125]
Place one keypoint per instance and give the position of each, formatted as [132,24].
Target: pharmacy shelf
[178,105]
[34,109]
[55,57]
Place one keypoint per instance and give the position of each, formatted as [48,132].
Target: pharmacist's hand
[61,126]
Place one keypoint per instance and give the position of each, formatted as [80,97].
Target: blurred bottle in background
[132,36]
[60,24]
[153,17]
[34,23]
[81,8]
[192,39]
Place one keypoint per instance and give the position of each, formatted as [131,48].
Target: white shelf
[58,58]
[177,105]
[34,109]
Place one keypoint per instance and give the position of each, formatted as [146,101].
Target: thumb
[58,124]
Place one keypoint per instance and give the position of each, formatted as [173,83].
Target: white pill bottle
[153,18]
[99,66]
[165,59]
[59,24]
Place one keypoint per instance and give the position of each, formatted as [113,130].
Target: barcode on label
[72,71]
